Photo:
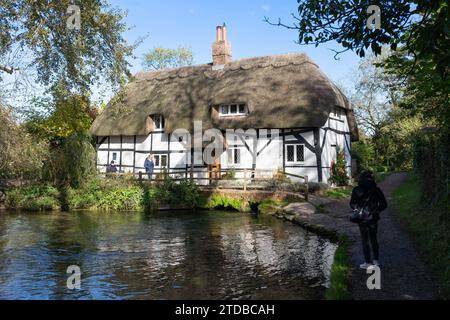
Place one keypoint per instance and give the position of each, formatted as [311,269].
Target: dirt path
[403,274]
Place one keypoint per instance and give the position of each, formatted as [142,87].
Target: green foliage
[420,26]
[269,206]
[217,201]
[59,117]
[97,53]
[107,194]
[230,175]
[73,161]
[340,192]
[33,198]
[20,154]
[339,175]
[428,223]
[364,154]
[124,194]
[164,58]
[340,273]
[431,165]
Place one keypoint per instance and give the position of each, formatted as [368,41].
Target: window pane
[157,121]
[164,161]
[162,122]
[224,109]
[300,153]
[114,156]
[237,156]
[290,153]
[233,108]
[242,108]
[157,161]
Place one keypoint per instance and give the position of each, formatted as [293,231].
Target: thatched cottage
[293,118]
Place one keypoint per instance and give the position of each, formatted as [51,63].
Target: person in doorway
[369,197]
[149,165]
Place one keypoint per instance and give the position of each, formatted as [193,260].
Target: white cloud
[265,7]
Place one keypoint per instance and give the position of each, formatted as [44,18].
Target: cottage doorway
[214,171]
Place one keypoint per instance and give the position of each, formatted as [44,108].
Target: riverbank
[123,193]
[404,274]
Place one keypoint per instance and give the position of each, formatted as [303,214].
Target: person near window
[111,168]
[149,166]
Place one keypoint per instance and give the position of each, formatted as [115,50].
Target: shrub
[33,198]
[339,171]
[217,201]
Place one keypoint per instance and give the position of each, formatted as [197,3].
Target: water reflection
[180,255]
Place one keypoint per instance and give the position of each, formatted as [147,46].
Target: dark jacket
[368,192]
[111,168]
[149,165]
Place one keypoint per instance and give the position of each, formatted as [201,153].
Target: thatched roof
[281,91]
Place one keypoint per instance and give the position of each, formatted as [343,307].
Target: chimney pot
[221,49]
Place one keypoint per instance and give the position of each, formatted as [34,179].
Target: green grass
[340,273]
[339,192]
[428,232]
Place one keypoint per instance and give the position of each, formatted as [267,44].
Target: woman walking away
[367,202]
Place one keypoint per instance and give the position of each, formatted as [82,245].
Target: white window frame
[232,151]
[228,108]
[295,152]
[158,162]
[161,121]
[336,113]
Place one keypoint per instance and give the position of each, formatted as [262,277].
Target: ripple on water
[181,255]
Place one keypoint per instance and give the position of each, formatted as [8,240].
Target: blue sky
[192,23]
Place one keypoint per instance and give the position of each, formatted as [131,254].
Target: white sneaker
[365,265]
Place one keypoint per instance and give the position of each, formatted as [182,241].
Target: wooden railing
[249,176]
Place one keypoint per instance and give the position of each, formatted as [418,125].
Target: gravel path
[403,274]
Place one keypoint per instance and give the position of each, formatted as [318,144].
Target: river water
[169,255]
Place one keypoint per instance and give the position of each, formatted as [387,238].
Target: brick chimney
[221,49]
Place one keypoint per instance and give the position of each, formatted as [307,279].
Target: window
[158,121]
[160,160]
[337,112]
[234,155]
[295,153]
[114,156]
[233,110]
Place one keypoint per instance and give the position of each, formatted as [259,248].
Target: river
[169,255]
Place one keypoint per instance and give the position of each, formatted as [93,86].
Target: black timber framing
[284,156]
[318,153]
[134,154]
[120,157]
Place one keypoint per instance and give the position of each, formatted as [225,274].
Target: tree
[20,154]
[162,58]
[375,94]
[421,26]
[416,29]
[36,36]
[59,115]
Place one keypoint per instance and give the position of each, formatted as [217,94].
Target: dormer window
[158,122]
[231,110]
